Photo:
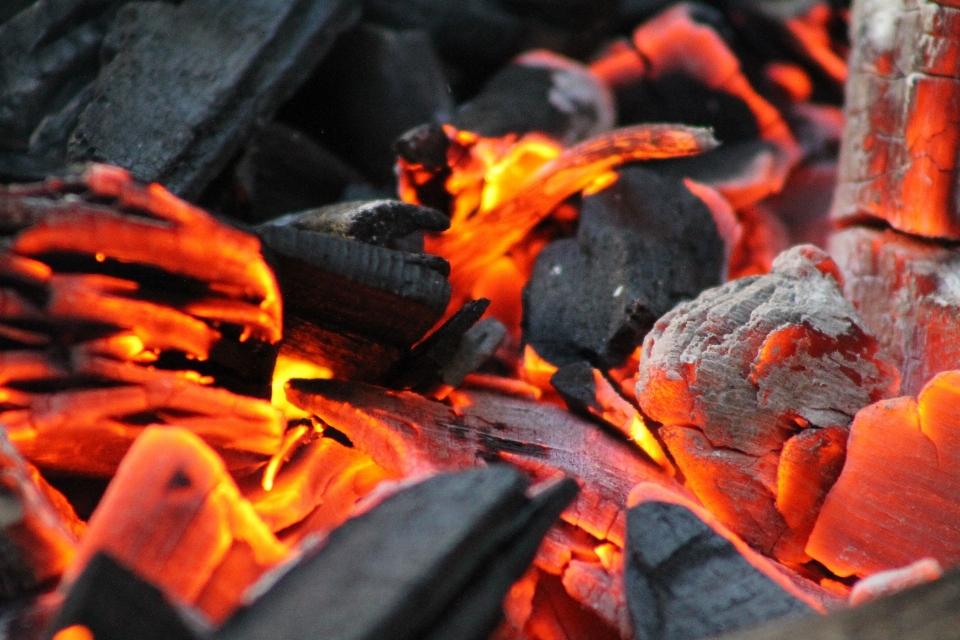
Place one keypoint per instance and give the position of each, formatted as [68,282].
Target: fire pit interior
[511,319]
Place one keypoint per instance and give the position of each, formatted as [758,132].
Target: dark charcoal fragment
[189,83]
[116,604]
[577,386]
[644,244]
[433,561]
[376,84]
[51,136]
[685,581]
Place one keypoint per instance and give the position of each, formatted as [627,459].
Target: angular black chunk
[685,581]
[116,604]
[577,386]
[376,84]
[433,561]
[643,245]
[190,82]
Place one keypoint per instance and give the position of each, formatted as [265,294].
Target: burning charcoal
[113,603]
[927,612]
[588,392]
[898,160]
[903,287]
[896,499]
[593,297]
[376,84]
[446,551]
[280,170]
[540,92]
[351,306]
[172,505]
[377,222]
[190,82]
[106,277]
[685,581]
[48,53]
[759,365]
[38,529]
[887,583]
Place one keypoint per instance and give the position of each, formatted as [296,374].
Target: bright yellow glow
[286,369]
[642,436]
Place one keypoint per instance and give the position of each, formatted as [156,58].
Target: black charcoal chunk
[189,83]
[51,136]
[25,167]
[685,581]
[477,345]
[644,244]
[376,84]
[116,604]
[433,561]
[577,386]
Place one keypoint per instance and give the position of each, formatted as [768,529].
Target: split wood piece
[172,505]
[592,297]
[38,528]
[928,612]
[472,247]
[686,581]
[48,52]
[377,222]
[905,290]
[432,561]
[316,490]
[410,435]
[741,372]
[896,499]
[898,159]
[543,92]
[588,392]
[112,602]
[156,111]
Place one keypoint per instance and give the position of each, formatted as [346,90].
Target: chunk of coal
[280,170]
[685,581]
[179,98]
[353,306]
[115,604]
[24,167]
[432,561]
[542,92]
[50,138]
[738,372]
[643,245]
[376,84]
[377,222]
[576,385]
[48,52]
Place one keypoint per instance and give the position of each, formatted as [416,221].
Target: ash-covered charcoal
[352,306]
[174,516]
[896,499]
[383,223]
[541,92]
[123,302]
[110,602]
[906,289]
[432,561]
[48,53]
[375,84]
[686,581]
[190,81]
[898,159]
[761,365]
[643,245]
[280,170]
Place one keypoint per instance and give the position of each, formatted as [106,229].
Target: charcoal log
[113,603]
[738,373]
[156,110]
[643,245]
[904,289]
[686,581]
[375,84]
[433,561]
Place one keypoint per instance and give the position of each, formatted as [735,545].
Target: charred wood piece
[744,372]
[157,87]
[113,603]
[447,550]
[644,244]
